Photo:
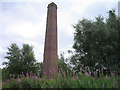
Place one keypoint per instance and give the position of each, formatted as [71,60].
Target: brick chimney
[50,66]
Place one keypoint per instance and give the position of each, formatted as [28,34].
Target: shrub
[76,81]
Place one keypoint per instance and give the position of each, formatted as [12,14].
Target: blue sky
[24,21]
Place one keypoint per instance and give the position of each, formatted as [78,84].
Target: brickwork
[50,46]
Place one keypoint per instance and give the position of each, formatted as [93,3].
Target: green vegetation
[63,66]
[19,60]
[96,44]
[76,81]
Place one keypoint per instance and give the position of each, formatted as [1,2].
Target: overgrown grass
[76,81]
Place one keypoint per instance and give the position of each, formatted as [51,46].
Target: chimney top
[52,4]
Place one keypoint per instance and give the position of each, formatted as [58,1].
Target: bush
[76,81]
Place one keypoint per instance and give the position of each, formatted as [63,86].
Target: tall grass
[62,81]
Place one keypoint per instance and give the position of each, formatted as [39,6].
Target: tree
[39,68]
[63,66]
[13,55]
[28,58]
[20,60]
[5,74]
[96,42]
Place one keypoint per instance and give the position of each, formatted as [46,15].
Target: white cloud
[65,23]
[25,29]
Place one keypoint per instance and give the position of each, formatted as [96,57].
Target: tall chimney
[50,66]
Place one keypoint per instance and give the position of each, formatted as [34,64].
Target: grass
[76,81]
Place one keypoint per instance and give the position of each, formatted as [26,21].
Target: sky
[24,21]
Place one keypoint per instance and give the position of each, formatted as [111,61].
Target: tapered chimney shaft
[50,66]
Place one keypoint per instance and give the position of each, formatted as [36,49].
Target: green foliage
[63,65]
[19,60]
[5,73]
[39,68]
[28,59]
[96,42]
[76,81]
[13,55]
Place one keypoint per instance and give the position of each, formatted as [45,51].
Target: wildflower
[113,74]
[22,75]
[31,74]
[18,80]
[27,75]
[86,73]
[50,71]
[44,73]
[36,77]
